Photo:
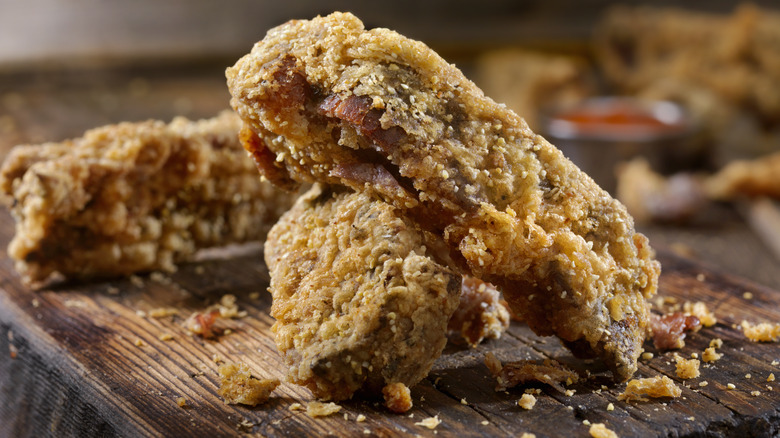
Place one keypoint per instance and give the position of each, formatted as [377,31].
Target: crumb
[228,307]
[200,270]
[13,352]
[748,376]
[747,295]
[700,277]
[181,401]
[527,402]
[254,296]
[346,417]
[202,324]
[139,343]
[687,368]
[295,407]
[763,332]
[755,393]
[430,422]
[604,388]
[485,423]
[136,281]
[703,383]
[318,409]
[35,302]
[691,418]
[647,355]
[710,355]
[569,392]
[659,386]
[216,358]
[463,401]
[140,313]
[730,386]
[586,422]
[397,397]
[360,418]
[610,407]
[524,435]
[695,355]
[700,310]
[599,430]
[75,303]
[716,343]
[165,337]
[771,377]
[162,312]
[227,332]
[112,290]
[775,363]
[237,386]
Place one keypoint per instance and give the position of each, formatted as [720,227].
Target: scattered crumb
[763,332]
[610,407]
[513,373]
[254,295]
[771,377]
[700,277]
[430,422]
[35,302]
[527,402]
[691,418]
[599,430]
[700,310]
[747,295]
[162,312]
[695,355]
[775,363]
[237,386]
[710,355]
[75,303]
[139,343]
[716,343]
[730,386]
[398,398]
[13,351]
[227,332]
[346,417]
[755,393]
[318,409]
[485,423]
[216,358]
[687,368]
[586,422]
[748,375]
[228,307]
[659,386]
[463,401]
[136,281]
[647,355]
[295,407]
[165,337]
[527,435]
[360,418]
[181,401]
[112,290]
[703,383]
[140,313]
[569,392]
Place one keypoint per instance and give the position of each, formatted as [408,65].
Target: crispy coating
[134,197]
[325,100]
[237,386]
[480,314]
[358,303]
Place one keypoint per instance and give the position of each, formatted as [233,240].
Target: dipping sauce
[614,118]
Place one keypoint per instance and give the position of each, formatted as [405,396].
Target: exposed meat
[514,373]
[669,330]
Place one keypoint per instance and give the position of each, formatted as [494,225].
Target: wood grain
[71,365]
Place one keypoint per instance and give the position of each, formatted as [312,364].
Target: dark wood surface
[70,366]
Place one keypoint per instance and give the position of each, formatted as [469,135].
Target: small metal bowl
[599,133]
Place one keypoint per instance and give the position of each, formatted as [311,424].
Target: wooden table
[87,359]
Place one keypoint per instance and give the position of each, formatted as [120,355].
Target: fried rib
[358,303]
[134,197]
[325,100]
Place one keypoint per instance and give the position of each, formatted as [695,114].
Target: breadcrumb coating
[325,100]
[358,303]
[134,197]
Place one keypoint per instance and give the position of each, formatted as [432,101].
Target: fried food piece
[757,177]
[357,301]
[237,386]
[398,398]
[325,100]
[134,197]
[480,314]
[656,387]
[514,373]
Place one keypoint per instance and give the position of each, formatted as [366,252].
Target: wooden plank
[79,369]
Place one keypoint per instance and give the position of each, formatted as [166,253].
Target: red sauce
[616,116]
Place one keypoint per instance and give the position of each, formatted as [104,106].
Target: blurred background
[697,86]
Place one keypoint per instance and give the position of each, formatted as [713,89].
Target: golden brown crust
[134,197]
[480,315]
[383,114]
[358,303]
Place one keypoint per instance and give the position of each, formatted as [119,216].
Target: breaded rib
[134,197]
[325,100]
[357,301]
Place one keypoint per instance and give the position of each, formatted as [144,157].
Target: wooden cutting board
[85,360]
